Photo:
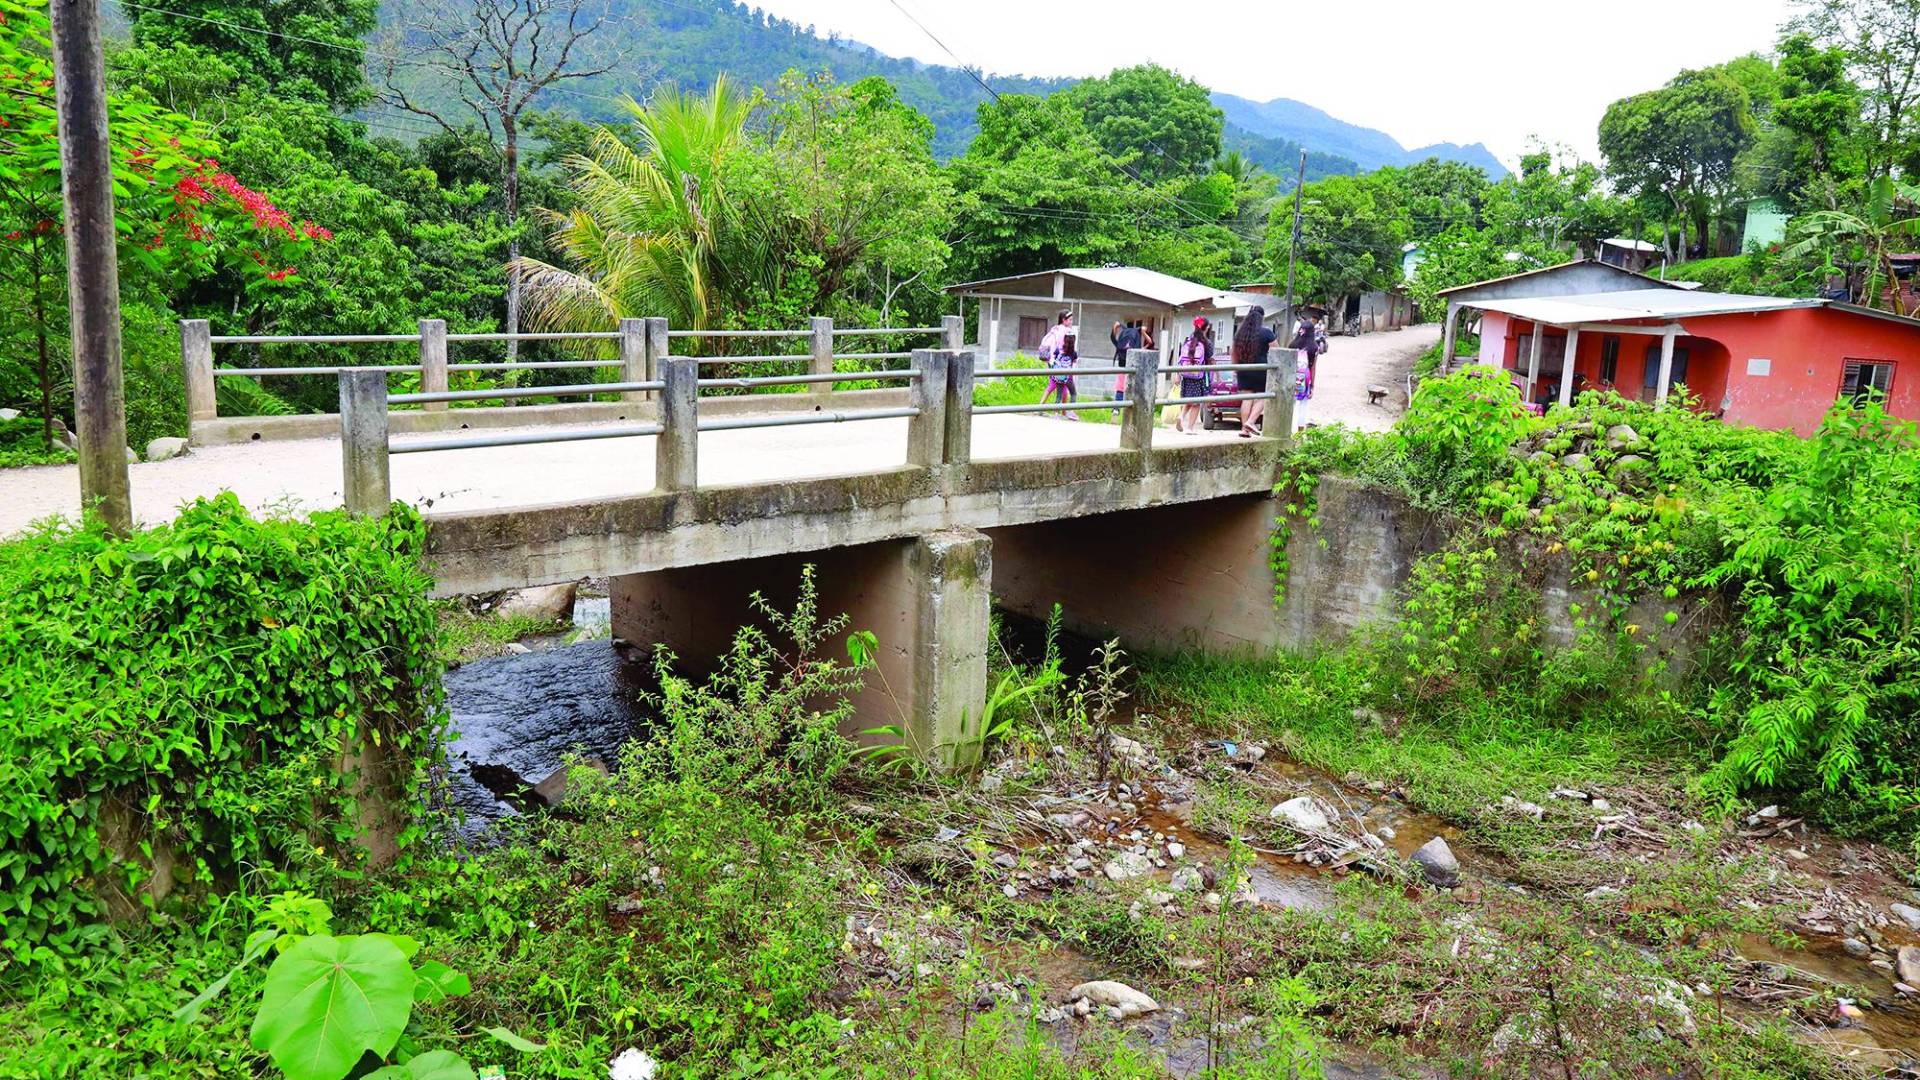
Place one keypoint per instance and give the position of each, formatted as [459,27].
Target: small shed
[1016,312]
[1634,255]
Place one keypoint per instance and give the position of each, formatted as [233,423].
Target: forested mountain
[689,42]
[1298,122]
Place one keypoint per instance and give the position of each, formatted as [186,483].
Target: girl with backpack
[1060,373]
[1195,351]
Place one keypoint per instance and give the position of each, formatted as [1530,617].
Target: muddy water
[1887,1033]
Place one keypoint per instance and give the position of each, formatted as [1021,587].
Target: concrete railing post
[363,441]
[822,363]
[433,361]
[633,356]
[676,451]
[927,430]
[953,333]
[196,353]
[1283,377]
[1143,388]
[659,346]
[959,408]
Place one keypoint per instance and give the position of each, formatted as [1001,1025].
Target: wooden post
[676,451]
[93,276]
[1533,360]
[363,442]
[1666,368]
[953,333]
[633,356]
[196,354]
[433,361]
[822,353]
[1447,337]
[959,408]
[1567,362]
[927,431]
[1136,427]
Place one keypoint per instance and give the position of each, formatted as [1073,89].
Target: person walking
[1195,351]
[1306,346]
[1060,373]
[1126,338]
[1250,344]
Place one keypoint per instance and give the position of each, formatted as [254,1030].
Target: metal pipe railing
[1053,406]
[542,335]
[737,333]
[1043,373]
[311,339]
[738,423]
[801,380]
[1179,369]
[476,442]
[870,330]
[222,373]
[761,358]
[1216,399]
[533,365]
[872,355]
[572,390]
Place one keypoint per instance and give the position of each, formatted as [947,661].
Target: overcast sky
[1492,71]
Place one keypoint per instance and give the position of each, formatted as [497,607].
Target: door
[1032,329]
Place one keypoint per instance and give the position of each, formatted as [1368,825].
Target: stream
[516,718]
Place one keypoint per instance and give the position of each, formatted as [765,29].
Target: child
[1195,351]
[1060,373]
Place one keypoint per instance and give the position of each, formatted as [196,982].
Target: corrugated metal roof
[1636,304]
[1630,245]
[1548,270]
[1134,280]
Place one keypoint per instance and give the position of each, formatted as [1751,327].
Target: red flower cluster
[205,185]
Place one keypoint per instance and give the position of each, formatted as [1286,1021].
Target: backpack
[1193,351]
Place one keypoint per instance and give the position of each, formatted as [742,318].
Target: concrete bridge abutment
[926,599]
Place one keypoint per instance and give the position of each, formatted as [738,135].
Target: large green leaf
[435,1065]
[328,1000]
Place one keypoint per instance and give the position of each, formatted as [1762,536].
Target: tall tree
[1813,143]
[502,54]
[297,48]
[1681,142]
[1157,124]
[1882,43]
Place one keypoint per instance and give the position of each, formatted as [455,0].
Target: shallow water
[521,715]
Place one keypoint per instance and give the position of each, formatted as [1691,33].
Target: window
[1861,377]
[1650,375]
[1609,359]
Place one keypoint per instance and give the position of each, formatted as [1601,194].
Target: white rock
[517,649]
[1128,749]
[1602,805]
[1766,814]
[166,447]
[1186,879]
[1601,892]
[1126,865]
[1253,752]
[1373,841]
[9,414]
[1906,964]
[1567,793]
[1010,891]
[548,603]
[1386,832]
[1908,914]
[632,1064]
[1302,814]
[1176,849]
[1120,1000]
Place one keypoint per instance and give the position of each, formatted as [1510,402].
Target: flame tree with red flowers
[176,209]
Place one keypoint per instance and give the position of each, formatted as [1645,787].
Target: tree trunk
[510,188]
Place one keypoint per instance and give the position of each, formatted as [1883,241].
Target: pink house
[1775,362]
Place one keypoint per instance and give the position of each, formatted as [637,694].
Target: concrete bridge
[919,510]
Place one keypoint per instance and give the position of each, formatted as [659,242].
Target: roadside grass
[1022,390]
[466,635]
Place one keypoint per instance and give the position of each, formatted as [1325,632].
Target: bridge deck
[305,475]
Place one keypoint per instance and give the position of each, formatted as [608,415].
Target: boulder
[166,447]
[1908,914]
[133,456]
[1120,1000]
[553,790]
[1621,436]
[1857,949]
[1301,814]
[1906,964]
[1129,750]
[1435,860]
[1126,865]
[1187,879]
[547,603]
[1578,462]
[1629,467]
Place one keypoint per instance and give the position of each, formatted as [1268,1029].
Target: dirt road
[1354,363]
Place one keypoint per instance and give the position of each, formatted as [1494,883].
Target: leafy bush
[23,442]
[183,702]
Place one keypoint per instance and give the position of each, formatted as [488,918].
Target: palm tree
[1870,233]
[654,231]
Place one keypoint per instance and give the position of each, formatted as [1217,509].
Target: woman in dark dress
[1250,345]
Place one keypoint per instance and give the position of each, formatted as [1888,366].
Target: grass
[467,635]
[1028,391]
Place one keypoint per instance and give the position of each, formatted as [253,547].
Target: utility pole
[93,277]
[1293,250]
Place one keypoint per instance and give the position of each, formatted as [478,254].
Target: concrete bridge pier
[925,598]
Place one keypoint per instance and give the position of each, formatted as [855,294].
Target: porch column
[993,334]
[1566,365]
[1446,337]
[1533,358]
[1666,367]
